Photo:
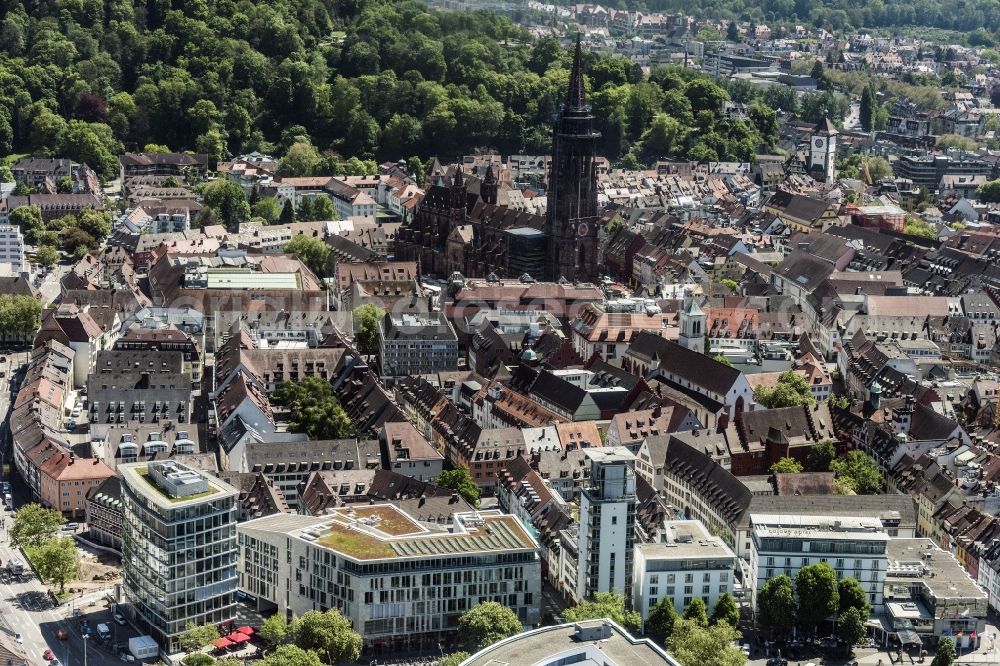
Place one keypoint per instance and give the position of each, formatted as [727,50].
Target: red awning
[237,637]
[222,642]
[246,630]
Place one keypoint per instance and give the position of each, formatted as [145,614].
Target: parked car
[118,618]
[47,655]
[70,527]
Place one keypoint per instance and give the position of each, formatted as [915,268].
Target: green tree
[486,624]
[291,655]
[955,141]
[56,560]
[867,111]
[821,456]
[198,659]
[228,201]
[316,208]
[776,605]
[878,168]
[313,252]
[300,160]
[726,611]
[327,634]
[730,284]
[945,655]
[851,594]
[287,213]
[269,209]
[792,390]
[851,627]
[861,470]
[274,630]
[660,623]
[720,358]
[47,256]
[366,319]
[26,217]
[460,481]
[696,612]
[914,226]
[786,466]
[197,636]
[314,408]
[453,659]
[989,192]
[97,223]
[816,587]
[694,645]
[33,524]
[732,32]
[610,605]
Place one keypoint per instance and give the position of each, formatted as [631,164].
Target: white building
[398,581]
[853,547]
[607,523]
[688,564]
[179,549]
[12,250]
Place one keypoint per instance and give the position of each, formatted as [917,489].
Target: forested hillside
[87,79]
[961,15]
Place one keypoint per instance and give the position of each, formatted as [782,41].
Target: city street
[27,609]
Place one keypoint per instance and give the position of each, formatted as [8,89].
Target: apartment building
[687,564]
[607,523]
[399,582]
[179,549]
[12,250]
[416,343]
[854,547]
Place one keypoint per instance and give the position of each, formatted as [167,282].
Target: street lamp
[85,637]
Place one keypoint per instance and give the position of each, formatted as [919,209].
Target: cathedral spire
[576,96]
[490,177]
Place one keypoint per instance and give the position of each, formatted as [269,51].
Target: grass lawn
[356,543]
[390,521]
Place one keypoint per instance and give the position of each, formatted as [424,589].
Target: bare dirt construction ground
[97,570]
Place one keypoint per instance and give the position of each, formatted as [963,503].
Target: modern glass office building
[179,549]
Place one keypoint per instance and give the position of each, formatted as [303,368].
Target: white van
[104,632]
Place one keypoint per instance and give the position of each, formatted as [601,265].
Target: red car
[47,655]
[61,634]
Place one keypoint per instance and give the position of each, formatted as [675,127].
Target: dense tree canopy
[314,408]
[34,525]
[604,605]
[377,79]
[488,623]
[816,587]
[791,390]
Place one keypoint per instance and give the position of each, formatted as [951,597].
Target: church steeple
[488,188]
[576,95]
[571,210]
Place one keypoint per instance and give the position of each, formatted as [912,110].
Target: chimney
[657,412]
[454,498]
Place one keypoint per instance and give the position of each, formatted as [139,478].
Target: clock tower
[571,202]
[823,151]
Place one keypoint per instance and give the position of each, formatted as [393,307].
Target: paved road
[50,286]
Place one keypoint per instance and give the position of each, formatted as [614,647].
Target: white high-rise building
[607,523]
[179,549]
[854,547]
[12,260]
